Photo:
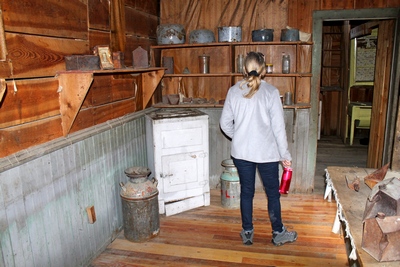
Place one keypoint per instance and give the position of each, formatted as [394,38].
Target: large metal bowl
[170,34]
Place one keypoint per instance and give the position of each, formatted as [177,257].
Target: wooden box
[82,62]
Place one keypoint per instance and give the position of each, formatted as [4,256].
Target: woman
[253,118]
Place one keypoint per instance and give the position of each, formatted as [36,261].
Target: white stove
[174,113]
[177,151]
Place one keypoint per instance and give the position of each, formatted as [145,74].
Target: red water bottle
[285,181]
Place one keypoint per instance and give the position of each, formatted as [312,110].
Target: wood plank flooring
[332,152]
[209,236]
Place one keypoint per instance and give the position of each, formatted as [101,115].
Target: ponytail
[254,71]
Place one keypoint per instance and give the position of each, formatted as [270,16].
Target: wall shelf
[223,72]
[216,105]
[172,46]
[74,86]
[236,74]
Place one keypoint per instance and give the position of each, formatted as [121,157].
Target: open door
[382,78]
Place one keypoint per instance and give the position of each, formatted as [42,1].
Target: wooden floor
[332,152]
[209,236]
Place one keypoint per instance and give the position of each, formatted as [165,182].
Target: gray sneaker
[247,237]
[280,238]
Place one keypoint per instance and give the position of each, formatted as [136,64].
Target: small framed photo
[104,53]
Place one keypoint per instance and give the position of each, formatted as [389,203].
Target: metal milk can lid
[139,185]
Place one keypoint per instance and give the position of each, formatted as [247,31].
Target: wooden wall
[32,55]
[38,35]
[43,218]
[300,11]
[209,14]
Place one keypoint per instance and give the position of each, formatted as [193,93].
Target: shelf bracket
[150,81]
[73,88]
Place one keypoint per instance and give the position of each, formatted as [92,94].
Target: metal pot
[201,36]
[170,34]
[262,35]
[290,35]
[230,34]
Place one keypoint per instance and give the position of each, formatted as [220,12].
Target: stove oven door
[178,157]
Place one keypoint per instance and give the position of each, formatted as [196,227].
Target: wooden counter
[351,205]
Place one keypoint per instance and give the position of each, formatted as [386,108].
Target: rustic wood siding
[43,201]
[37,56]
[99,15]
[149,7]
[46,182]
[50,18]
[209,14]
[37,37]
[29,100]
[381,92]
[38,34]
[331,108]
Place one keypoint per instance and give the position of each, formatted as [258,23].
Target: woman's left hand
[286,163]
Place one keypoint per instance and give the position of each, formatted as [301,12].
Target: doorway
[347,79]
[319,17]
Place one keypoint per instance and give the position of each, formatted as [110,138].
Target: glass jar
[270,68]
[239,64]
[286,64]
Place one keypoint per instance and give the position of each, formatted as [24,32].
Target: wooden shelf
[223,75]
[237,74]
[216,105]
[172,46]
[114,71]
[74,85]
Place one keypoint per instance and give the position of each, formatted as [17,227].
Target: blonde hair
[254,70]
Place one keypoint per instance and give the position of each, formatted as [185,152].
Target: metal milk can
[140,212]
[230,185]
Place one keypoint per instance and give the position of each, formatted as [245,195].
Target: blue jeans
[269,173]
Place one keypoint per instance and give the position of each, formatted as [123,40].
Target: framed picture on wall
[365,53]
[104,53]
[362,59]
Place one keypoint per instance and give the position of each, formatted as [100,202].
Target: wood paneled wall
[300,11]
[43,217]
[38,35]
[209,14]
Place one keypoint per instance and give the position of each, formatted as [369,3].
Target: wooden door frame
[354,14]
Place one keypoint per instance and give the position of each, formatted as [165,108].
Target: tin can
[285,181]
[204,64]
[239,64]
[288,98]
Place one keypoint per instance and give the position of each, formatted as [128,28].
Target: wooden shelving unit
[223,73]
